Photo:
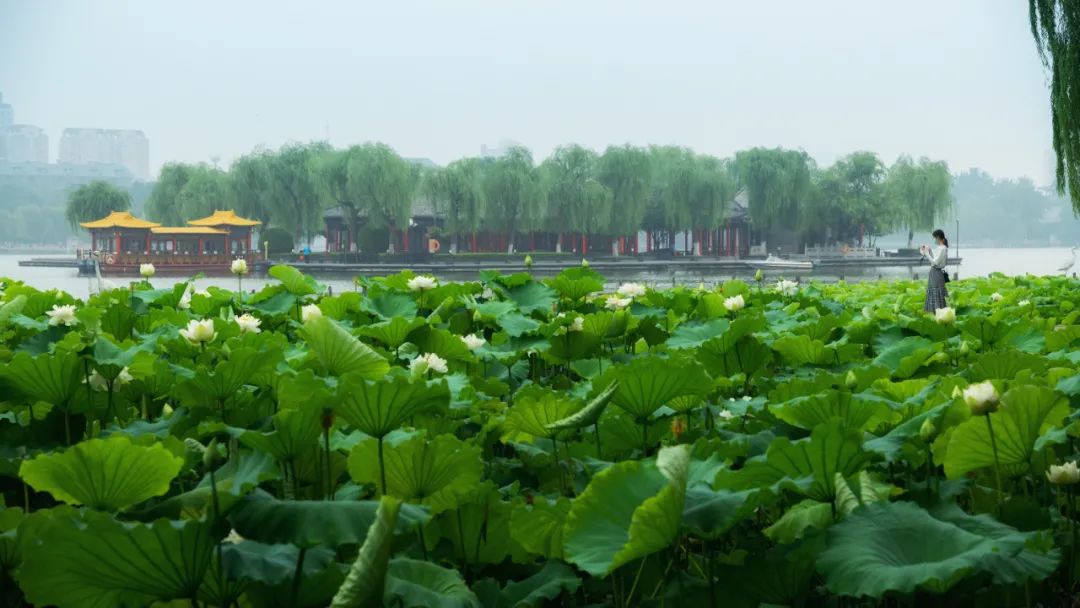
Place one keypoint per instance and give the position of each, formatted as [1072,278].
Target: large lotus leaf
[390,305]
[1005,365]
[883,548]
[273,303]
[590,414]
[553,580]
[709,513]
[647,383]
[538,528]
[1025,413]
[533,414]
[857,411]
[1059,339]
[296,282]
[480,530]
[517,324]
[107,474]
[723,359]
[419,584]
[628,511]
[443,343]
[378,407]
[340,352]
[364,583]
[576,283]
[98,562]
[295,433]
[303,390]
[905,356]
[798,519]
[808,466]
[891,444]
[393,332]
[238,476]
[532,297]
[251,561]
[799,349]
[1069,386]
[780,576]
[692,335]
[438,472]
[11,308]
[52,378]
[983,329]
[229,375]
[310,523]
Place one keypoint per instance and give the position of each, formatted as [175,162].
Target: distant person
[938,255]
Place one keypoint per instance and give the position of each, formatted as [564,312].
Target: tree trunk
[510,243]
[390,244]
[558,244]
[453,243]
[910,238]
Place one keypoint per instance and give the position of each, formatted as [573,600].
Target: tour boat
[123,242]
[774,263]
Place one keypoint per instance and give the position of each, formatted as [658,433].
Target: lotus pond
[514,442]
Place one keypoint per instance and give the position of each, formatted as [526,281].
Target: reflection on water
[976,262]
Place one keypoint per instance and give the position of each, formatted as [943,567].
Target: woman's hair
[940,234]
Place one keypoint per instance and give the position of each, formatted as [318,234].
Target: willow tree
[94,201]
[668,208]
[627,172]
[577,202]
[457,191]
[249,181]
[205,191]
[330,172]
[162,205]
[920,193]
[704,188]
[1055,24]
[515,194]
[382,184]
[292,196]
[777,182]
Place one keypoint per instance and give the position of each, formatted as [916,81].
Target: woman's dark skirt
[936,293]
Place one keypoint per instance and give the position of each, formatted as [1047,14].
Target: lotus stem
[1070,509]
[217,516]
[997,464]
[382,467]
[633,586]
[329,473]
[298,576]
[596,431]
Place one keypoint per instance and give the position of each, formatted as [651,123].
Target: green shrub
[278,240]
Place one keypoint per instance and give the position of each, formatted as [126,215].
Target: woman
[935,287]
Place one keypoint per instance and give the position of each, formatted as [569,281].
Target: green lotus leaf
[552,581]
[340,352]
[709,513]
[234,479]
[692,335]
[443,343]
[534,414]
[273,303]
[229,375]
[311,523]
[11,308]
[390,305]
[439,472]
[627,511]
[983,329]
[296,282]
[590,414]
[538,528]
[798,349]
[1005,365]
[808,466]
[98,562]
[891,444]
[249,561]
[106,474]
[747,356]
[883,548]
[419,584]
[393,332]
[577,282]
[376,408]
[864,412]
[533,297]
[780,576]
[480,530]
[1069,386]
[799,518]
[1056,339]
[295,433]
[905,356]
[52,378]
[1025,413]
[517,324]
[364,583]
[647,383]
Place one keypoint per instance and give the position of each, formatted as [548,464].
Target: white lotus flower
[233,537]
[309,312]
[631,290]
[787,288]
[997,297]
[616,303]
[146,270]
[473,341]
[945,315]
[867,312]
[735,303]
[199,332]
[202,292]
[62,315]
[238,266]
[726,415]
[1064,475]
[1023,303]
[248,323]
[981,398]
[428,362]
[578,324]
[487,294]
[185,298]
[99,383]
[422,283]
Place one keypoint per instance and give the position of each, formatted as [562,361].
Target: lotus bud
[927,431]
[1064,475]
[955,393]
[851,380]
[193,445]
[477,317]
[940,357]
[166,411]
[584,263]
[964,348]
[528,261]
[146,270]
[981,398]
[759,276]
[210,456]
[678,427]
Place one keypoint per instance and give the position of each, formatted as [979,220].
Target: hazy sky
[952,79]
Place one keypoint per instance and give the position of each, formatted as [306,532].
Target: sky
[957,80]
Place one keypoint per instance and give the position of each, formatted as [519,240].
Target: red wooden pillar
[532,241]
[117,233]
[405,239]
[201,245]
[584,243]
[147,241]
[227,251]
[648,241]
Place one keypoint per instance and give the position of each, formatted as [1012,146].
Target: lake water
[976,262]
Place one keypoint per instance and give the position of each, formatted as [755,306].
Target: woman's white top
[938,255]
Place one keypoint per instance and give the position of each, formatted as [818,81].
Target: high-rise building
[24,144]
[126,147]
[7,113]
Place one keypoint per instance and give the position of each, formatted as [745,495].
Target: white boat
[774,263]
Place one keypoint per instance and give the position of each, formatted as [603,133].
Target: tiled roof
[224,218]
[119,219]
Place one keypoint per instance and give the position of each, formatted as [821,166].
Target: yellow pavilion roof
[186,230]
[224,218]
[119,219]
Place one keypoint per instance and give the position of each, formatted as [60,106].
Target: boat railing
[160,258]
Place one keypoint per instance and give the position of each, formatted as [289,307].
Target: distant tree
[515,194]
[1055,24]
[249,184]
[628,173]
[330,170]
[704,187]
[920,194]
[382,184]
[777,183]
[162,206]
[668,210]
[577,202]
[457,191]
[863,202]
[206,190]
[292,197]
[94,201]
